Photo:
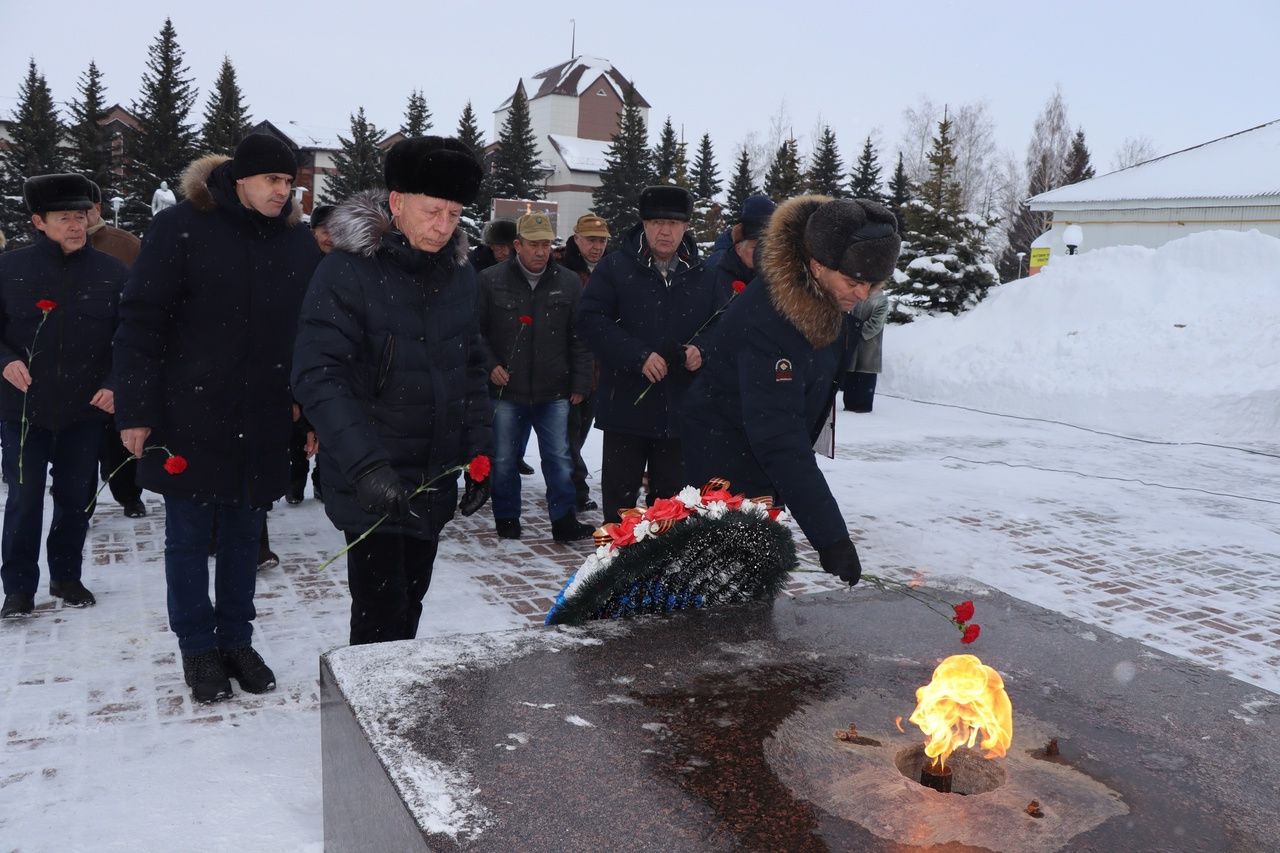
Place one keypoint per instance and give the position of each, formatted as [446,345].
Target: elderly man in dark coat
[58,301]
[644,313]
[390,370]
[203,349]
[776,360]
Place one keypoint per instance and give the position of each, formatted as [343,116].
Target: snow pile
[1180,342]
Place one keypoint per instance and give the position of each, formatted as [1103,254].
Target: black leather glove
[841,560]
[475,496]
[673,354]
[380,491]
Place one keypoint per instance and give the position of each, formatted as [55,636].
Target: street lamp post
[1073,237]
[1021,256]
[116,203]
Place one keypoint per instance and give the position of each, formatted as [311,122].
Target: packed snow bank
[1180,342]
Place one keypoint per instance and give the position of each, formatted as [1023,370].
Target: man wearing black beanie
[206,335]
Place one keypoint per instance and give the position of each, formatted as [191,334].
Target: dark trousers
[388,574]
[123,484]
[73,454]
[625,458]
[298,462]
[859,391]
[227,621]
[580,418]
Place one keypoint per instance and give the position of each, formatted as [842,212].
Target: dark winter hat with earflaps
[67,191]
[666,202]
[437,166]
[857,237]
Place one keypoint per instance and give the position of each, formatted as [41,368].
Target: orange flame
[964,699]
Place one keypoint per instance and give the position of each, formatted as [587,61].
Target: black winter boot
[72,593]
[569,529]
[247,667]
[508,528]
[206,677]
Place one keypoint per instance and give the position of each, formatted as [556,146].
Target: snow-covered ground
[1176,544]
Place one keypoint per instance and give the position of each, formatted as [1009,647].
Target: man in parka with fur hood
[770,380]
[202,354]
[390,370]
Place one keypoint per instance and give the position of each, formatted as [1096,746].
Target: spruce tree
[417,118]
[1077,168]
[628,169]
[475,214]
[516,170]
[167,142]
[226,118]
[665,154]
[92,156]
[826,168]
[944,266]
[741,187]
[1047,159]
[705,176]
[784,180]
[33,150]
[359,162]
[865,181]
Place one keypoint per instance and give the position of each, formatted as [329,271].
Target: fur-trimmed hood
[194,186]
[361,222]
[784,262]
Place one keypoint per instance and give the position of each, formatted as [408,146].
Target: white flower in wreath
[753,508]
[784,517]
[644,530]
[604,555]
[690,497]
[717,509]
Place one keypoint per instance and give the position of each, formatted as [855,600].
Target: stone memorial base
[715,731]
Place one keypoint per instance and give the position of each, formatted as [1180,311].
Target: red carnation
[731,501]
[46,305]
[739,286]
[971,633]
[964,612]
[526,320]
[625,533]
[478,468]
[175,464]
[667,509]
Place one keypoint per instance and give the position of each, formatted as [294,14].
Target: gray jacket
[872,312]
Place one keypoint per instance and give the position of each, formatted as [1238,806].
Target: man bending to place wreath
[768,383]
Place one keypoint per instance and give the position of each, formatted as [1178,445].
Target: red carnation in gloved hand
[175,464]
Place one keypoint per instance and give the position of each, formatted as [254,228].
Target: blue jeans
[202,625]
[73,453]
[511,425]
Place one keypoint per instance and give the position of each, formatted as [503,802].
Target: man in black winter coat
[206,335]
[737,261]
[644,313]
[390,370]
[776,360]
[58,303]
[537,369]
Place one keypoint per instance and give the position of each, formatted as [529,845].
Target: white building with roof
[574,111]
[1231,183]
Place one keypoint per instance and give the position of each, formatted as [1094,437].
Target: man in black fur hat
[775,363]
[499,240]
[206,333]
[645,313]
[58,303]
[390,370]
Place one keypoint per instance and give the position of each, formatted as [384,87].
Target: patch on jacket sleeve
[782,370]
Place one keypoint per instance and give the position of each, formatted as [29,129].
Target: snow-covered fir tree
[628,169]
[944,266]
[226,118]
[741,187]
[705,177]
[32,150]
[665,154]
[826,168]
[865,181]
[475,214]
[784,178]
[417,117]
[358,164]
[166,142]
[92,144]
[1077,168]
[516,171]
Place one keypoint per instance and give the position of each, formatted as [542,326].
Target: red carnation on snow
[739,286]
[46,305]
[971,633]
[175,464]
[478,468]
[526,320]
[964,612]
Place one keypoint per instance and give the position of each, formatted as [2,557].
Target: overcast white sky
[1179,73]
